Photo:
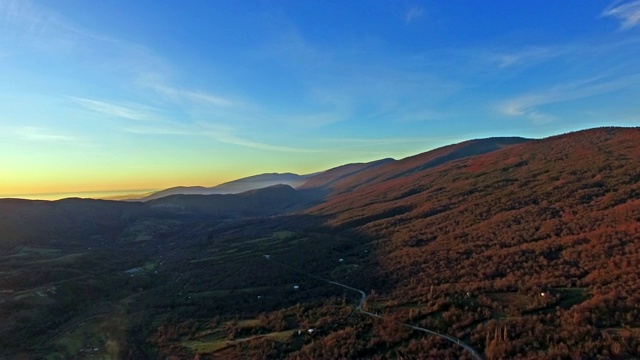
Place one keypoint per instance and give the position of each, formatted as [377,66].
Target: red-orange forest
[519,249]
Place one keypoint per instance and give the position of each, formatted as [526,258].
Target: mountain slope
[78,222]
[547,232]
[326,178]
[388,169]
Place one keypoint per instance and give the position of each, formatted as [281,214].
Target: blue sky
[126,95]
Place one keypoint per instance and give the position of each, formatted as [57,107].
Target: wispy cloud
[413,14]
[627,13]
[207,98]
[219,132]
[29,17]
[289,46]
[158,84]
[527,105]
[228,135]
[311,121]
[358,142]
[161,130]
[111,109]
[39,27]
[33,25]
[33,133]
[235,140]
[527,56]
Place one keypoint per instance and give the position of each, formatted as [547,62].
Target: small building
[296,287]
[341,260]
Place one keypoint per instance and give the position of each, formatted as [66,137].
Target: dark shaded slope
[262,202]
[73,222]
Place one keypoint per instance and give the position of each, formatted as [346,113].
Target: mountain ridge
[524,251]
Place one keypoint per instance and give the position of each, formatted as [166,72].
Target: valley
[514,248]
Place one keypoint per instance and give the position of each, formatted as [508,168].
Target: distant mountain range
[334,178]
[259,195]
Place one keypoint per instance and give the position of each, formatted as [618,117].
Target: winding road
[360,308]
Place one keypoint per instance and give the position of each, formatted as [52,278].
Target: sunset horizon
[97,98]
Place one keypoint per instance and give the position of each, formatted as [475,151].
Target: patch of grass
[281,335]
[143,237]
[97,335]
[572,296]
[210,293]
[150,266]
[65,259]
[248,323]
[511,299]
[72,343]
[341,271]
[28,250]
[206,346]
[224,292]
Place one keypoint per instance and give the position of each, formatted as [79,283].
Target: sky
[124,96]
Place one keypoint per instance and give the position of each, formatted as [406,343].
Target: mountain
[333,178]
[235,186]
[517,248]
[545,227]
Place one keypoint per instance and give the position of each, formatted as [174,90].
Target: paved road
[360,308]
[452,339]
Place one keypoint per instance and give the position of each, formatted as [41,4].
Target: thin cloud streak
[413,14]
[235,140]
[526,105]
[527,56]
[226,134]
[112,109]
[33,133]
[218,132]
[628,13]
[383,141]
[156,84]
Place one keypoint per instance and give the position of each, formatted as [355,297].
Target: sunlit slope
[387,169]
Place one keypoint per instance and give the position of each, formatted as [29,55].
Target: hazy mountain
[235,186]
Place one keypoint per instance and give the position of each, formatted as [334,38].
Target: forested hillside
[529,250]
